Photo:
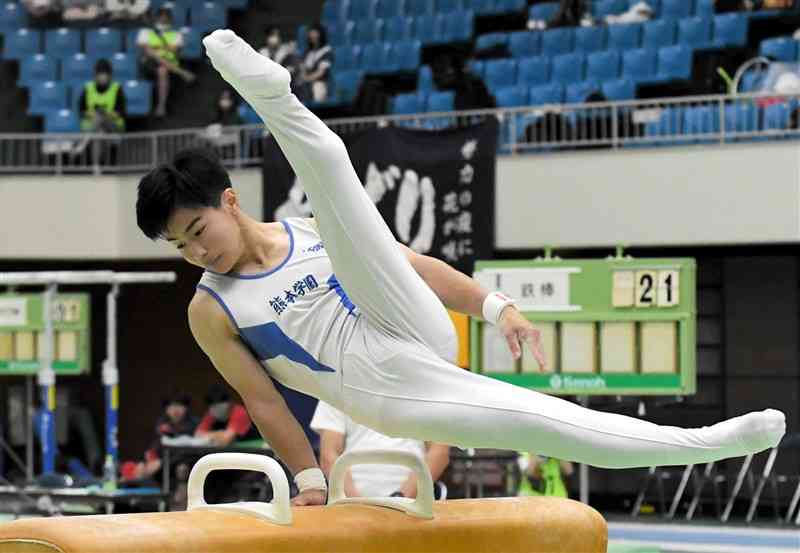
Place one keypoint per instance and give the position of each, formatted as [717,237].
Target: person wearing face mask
[225,421]
[316,65]
[283,53]
[160,45]
[225,113]
[102,102]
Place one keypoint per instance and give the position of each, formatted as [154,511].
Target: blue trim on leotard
[274,269]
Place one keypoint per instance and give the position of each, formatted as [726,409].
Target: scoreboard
[22,333]
[616,326]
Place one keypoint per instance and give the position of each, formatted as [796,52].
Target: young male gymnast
[336,308]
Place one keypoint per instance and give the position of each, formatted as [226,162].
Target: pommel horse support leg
[344,525]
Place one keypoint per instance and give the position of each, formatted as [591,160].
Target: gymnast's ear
[229,201]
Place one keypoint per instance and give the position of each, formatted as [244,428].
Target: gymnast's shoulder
[207,320]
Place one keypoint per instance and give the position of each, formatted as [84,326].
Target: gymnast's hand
[517,330]
[309,497]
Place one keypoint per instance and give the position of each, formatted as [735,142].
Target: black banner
[435,189]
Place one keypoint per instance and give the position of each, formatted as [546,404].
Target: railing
[545,128]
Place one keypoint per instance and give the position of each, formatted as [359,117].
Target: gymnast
[334,307]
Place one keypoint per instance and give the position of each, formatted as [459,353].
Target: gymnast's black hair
[194,179]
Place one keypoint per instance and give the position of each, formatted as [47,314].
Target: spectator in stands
[102,102]
[637,13]
[161,45]
[42,9]
[313,78]
[470,91]
[340,434]
[127,9]
[226,113]
[225,421]
[570,13]
[81,10]
[280,52]
[176,420]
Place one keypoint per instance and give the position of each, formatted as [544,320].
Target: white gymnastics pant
[393,376]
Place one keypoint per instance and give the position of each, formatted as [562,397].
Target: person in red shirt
[225,421]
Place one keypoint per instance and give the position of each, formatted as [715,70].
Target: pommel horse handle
[421,507]
[278,511]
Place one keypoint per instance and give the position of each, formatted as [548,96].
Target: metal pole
[29,428]
[111,375]
[46,380]
[583,469]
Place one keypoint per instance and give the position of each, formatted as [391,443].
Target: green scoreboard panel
[22,333]
[611,326]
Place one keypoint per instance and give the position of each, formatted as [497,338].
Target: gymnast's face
[209,237]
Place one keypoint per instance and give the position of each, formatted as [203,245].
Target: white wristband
[310,479]
[493,305]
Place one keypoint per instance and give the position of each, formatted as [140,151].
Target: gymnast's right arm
[215,334]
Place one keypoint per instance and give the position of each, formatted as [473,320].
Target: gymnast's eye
[199,232]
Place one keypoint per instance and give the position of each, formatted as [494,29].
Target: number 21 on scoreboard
[650,288]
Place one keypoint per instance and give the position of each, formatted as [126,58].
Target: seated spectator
[340,434]
[225,421]
[161,45]
[81,10]
[316,65]
[226,114]
[544,476]
[637,13]
[571,13]
[102,102]
[283,53]
[41,8]
[127,9]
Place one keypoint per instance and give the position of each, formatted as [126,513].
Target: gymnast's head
[191,204]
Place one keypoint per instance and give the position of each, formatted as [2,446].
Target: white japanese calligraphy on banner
[532,289]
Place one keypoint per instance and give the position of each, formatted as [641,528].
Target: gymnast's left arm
[463,294]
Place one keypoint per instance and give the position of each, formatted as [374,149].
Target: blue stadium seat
[192,43]
[619,90]
[346,84]
[46,96]
[338,35]
[482,7]
[332,11]
[639,64]
[523,44]
[416,8]
[21,43]
[655,4]
[578,93]
[511,96]
[557,41]
[77,69]
[458,26]
[694,32]
[676,9]
[61,121]
[533,71]
[103,41]
[428,28]
[780,49]
[511,6]
[391,58]
[361,9]
[491,40]
[544,11]
[208,16]
[546,94]
[477,67]
[567,68]
[590,39]
[730,29]
[741,117]
[624,37]
[236,4]
[704,8]
[138,96]
[602,8]
[750,81]
[125,66]
[444,6]
[373,57]
[37,68]
[425,79]
[500,73]
[659,33]
[407,104]
[777,116]
[398,28]
[440,102]
[408,54]
[130,40]
[388,8]
[248,114]
[12,17]
[668,123]
[180,13]
[674,63]
[700,121]
[346,57]
[603,66]
[367,31]
[62,43]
